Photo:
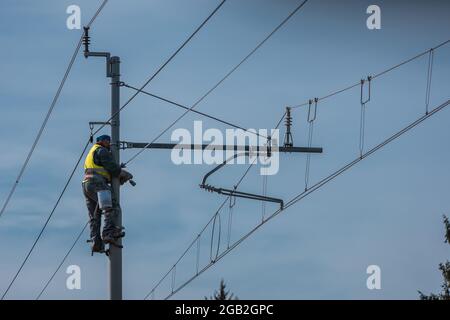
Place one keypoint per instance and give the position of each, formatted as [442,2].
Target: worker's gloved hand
[125,176]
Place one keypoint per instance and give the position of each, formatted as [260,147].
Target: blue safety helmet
[103,138]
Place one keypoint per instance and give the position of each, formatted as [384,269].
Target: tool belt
[91,173]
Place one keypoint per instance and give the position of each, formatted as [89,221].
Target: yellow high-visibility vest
[90,167]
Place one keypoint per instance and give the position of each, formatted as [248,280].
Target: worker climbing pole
[103,177]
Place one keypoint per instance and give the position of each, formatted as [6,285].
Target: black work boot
[111,237]
[97,245]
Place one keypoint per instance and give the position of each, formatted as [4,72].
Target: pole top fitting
[86,41]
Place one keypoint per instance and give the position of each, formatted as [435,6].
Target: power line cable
[221,80]
[366,154]
[46,222]
[357,84]
[163,65]
[62,261]
[227,198]
[49,112]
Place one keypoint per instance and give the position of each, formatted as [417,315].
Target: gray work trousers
[90,189]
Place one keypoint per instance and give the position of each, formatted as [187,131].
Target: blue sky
[385,211]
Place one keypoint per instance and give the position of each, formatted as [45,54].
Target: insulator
[288,140]
[86,41]
[288,120]
[91,137]
[269,146]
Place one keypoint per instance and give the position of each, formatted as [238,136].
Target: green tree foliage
[222,294]
[445,270]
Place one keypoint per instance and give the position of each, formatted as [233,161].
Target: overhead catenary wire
[197,239]
[357,84]
[307,191]
[304,194]
[49,112]
[278,27]
[96,14]
[367,153]
[301,195]
[201,231]
[444,43]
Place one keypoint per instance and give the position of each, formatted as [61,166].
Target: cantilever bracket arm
[246,195]
[220,166]
[86,41]
[234,192]
[236,148]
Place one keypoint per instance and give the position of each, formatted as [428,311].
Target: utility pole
[115,251]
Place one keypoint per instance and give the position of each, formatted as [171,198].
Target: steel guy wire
[195,111]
